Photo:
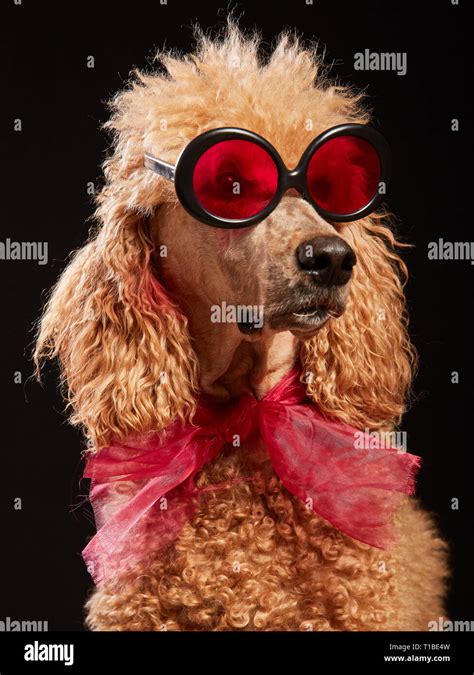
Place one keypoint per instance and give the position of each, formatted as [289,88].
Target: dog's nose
[328,259]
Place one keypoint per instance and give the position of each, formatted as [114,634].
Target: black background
[44,174]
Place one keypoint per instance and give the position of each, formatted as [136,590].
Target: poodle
[130,322]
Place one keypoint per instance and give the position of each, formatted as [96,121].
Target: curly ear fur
[125,352]
[359,367]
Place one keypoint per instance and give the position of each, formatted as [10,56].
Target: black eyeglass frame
[182,172]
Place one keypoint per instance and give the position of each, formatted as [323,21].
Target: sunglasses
[230,177]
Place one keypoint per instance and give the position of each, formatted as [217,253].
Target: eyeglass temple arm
[159,166]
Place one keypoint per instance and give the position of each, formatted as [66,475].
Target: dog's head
[118,318]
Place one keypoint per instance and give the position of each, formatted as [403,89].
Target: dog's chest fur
[256,558]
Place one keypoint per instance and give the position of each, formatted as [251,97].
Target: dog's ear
[127,363]
[359,367]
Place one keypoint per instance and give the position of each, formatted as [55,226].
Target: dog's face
[290,272]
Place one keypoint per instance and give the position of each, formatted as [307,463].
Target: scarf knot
[143,492]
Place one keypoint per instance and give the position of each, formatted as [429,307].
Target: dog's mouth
[316,313]
[301,320]
[304,320]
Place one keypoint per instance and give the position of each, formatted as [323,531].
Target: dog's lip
[318,309]
[303,312]
[311,319]
[303,320]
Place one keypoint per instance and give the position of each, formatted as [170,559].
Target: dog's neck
[232,364]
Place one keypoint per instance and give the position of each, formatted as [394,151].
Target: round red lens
[235,179]
[343,175]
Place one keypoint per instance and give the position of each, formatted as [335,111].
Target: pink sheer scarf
[143,492]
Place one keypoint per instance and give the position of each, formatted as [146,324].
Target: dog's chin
[305,326]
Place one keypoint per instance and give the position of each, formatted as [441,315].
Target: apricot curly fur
[360,367]
[253,558]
